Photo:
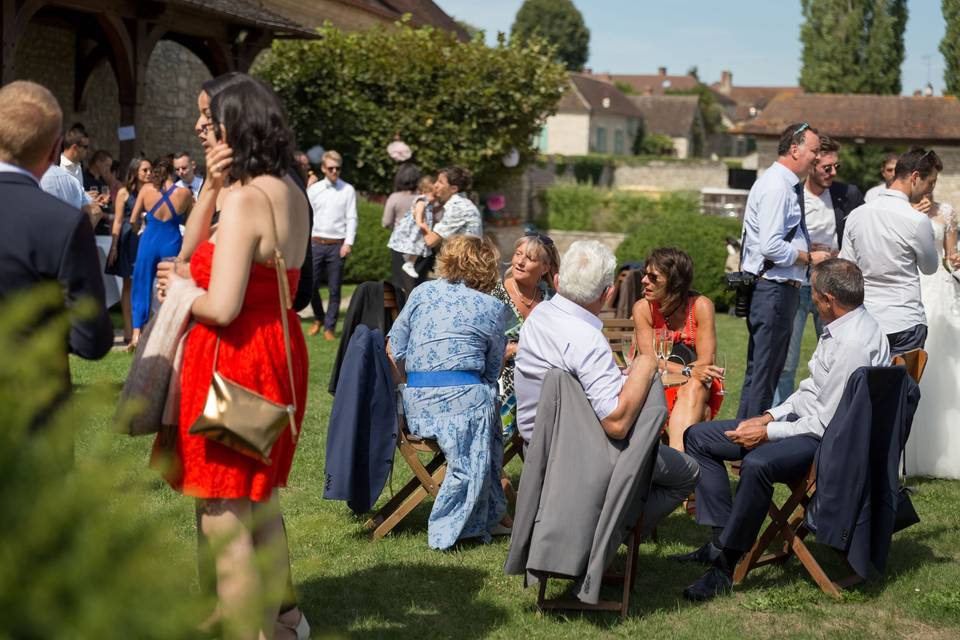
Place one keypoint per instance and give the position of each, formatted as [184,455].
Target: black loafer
[713,583]
[705,555]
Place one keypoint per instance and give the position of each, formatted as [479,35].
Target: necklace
[523,301]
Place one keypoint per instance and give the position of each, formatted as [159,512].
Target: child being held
[406,237]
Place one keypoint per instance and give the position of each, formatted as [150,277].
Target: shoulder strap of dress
[691,325]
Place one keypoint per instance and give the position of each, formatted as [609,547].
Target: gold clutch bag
[241,418]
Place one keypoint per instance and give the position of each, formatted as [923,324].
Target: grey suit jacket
[580,491]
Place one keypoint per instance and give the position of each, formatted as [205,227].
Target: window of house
[618,146]
[601,142]
[542,140]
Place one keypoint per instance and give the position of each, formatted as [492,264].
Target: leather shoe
[314,329]
[704,555]
[328,335]
[713,583]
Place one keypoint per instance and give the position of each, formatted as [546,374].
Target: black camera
[742,283]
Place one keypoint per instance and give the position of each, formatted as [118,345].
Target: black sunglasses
[545,239]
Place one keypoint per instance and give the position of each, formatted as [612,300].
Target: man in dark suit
[44,239]
[827,203]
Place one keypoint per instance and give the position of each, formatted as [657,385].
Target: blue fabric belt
[442,378]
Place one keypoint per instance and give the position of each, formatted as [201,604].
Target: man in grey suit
[565,333]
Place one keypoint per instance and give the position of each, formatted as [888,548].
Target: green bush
[370,258]
[583,208]
[702,237]
[84,550]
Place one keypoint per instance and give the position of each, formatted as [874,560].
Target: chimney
[726,82]
[662,71]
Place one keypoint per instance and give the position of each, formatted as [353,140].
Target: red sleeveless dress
[252,354]
[688,336]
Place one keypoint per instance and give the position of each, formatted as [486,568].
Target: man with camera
[775,263]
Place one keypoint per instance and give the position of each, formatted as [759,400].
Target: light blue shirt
[773,208]
[6,167]
[61,184]
[851,341]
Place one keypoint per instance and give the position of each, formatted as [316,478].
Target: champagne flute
[720,361]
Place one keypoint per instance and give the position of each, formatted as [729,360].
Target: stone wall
[671,176]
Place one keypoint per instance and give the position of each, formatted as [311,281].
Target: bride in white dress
[933,448]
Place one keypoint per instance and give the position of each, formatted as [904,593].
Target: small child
[406,237]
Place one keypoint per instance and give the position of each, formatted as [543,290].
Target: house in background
[593,117]
[357,15]
[678,117]
[651,85]
[740,105]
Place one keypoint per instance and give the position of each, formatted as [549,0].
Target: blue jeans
[788,378]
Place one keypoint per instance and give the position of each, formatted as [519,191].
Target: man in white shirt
[186,169]
[893,243]
[566,333]
[61,184]
[779,445]
[334,205]
[887,169]
[827,203]
[76,146]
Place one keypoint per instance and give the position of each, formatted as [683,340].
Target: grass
[399,588]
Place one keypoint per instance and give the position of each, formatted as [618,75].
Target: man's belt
[796,284]
[319,240]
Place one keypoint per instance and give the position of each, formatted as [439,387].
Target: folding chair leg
[811,565]
[405,501]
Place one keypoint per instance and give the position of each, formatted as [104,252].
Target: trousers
[908,339]
[788,379]
[327,269]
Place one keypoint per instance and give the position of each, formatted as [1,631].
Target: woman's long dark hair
[162,171]
[131,182]
[407,177]
[256,126]
[677,269]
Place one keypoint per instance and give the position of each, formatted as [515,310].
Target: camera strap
[768,264]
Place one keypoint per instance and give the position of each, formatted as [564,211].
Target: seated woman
[448,345]
[668,303]
[534,263]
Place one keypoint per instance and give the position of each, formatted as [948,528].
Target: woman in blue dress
[123,250]
[448,343]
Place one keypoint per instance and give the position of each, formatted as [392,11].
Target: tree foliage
[950,46]
[451,102]
[852,46]
[558,22]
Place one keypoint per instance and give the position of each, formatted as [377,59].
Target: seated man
[565,333]
[779,445]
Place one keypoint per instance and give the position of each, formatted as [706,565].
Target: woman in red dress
[250,146]
[668,303]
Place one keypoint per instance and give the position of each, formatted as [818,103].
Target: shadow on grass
[401,601]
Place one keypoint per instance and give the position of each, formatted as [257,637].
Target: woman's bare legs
[688,410]
[270,541]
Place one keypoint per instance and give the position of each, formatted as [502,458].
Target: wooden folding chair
[426,478]
[914,360]
[627,580]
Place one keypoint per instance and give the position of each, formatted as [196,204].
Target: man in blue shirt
[776,248]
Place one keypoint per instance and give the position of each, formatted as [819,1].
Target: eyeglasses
[204,128]
[333,169]
[544,239]
[831,168]
[651,276]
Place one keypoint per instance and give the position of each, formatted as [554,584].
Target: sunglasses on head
[803,127]
[545,239]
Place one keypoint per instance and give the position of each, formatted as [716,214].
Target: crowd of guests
[472,346]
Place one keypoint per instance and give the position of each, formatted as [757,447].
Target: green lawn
[399,588]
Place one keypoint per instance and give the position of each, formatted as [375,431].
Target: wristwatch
[687,370]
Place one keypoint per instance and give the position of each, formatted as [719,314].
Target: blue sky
[758,40]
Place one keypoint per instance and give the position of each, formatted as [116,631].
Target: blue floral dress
[449,327]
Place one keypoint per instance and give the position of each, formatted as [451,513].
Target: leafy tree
[558,22]
[451,102]
[950,46]
[852,46]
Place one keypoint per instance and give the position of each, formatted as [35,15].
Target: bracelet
[687,370]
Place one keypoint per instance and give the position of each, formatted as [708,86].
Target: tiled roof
[654,84]
[668,115]
[862,116]
[426,12]
[750,101]
[588,94]
[249,12]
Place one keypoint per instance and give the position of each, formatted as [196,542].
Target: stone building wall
[665,175]
[47,55]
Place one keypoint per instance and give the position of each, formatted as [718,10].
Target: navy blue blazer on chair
[362,436]
[855,504]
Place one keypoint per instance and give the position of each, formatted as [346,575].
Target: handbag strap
[285,304]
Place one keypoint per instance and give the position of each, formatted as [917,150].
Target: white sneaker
[409,270]
[303,628]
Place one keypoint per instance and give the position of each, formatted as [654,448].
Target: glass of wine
[720,361]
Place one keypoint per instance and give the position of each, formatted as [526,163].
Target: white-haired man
[565,333]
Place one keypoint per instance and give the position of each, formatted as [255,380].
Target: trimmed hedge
[570,207]
[370,257]
[702,237]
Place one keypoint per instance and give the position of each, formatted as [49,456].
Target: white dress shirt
[193,186]
[890,240]
[773,209]
[73,168]
[560,334]
[851,341]
[874,191]
[460,217]
[61,184]
[821,221]
[334,210]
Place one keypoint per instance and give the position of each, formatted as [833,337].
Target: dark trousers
[742,516]
[327,269]
[908,339]
[401,279]
[770,324]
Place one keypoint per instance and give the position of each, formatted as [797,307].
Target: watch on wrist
[687,370]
